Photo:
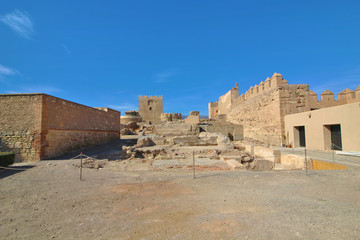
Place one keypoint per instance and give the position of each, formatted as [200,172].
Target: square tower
[151,108]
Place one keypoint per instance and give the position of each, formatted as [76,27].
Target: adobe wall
[151,108]
[20,125]
[39,126]
[317,136]
[69,126]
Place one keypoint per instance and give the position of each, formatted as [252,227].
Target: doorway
[336,137]
[299,136]
[332,137]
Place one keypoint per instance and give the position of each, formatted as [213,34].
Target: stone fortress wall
[20,125]
[170,117]
[151,108]
[40,126]
[261,110]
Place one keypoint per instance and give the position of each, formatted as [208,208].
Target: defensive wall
[261,109]
[170,117]
[39,126]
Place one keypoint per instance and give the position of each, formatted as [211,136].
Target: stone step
[234,165]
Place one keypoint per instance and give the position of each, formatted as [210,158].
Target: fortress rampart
[261,109]
[39,126]
[169,117]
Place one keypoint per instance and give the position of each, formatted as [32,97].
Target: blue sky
[107,53]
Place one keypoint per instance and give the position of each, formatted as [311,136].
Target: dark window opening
[336,137]
[231,137]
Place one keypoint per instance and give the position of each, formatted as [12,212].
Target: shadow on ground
[14,169]
[98,150]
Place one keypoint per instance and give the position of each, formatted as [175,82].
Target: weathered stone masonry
[39,126]
[262,109]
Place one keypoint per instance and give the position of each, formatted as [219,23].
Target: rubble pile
[92,163]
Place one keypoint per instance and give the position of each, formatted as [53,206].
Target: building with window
[329,128]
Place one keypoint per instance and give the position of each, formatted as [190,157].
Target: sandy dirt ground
[48,201]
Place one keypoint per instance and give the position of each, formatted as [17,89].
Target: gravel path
[48,201]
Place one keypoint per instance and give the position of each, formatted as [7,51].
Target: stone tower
[151,108]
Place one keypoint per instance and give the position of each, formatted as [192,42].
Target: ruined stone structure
[261,110]
[193,118]
[130,116]
[151,108]
[170,117]
[39,126]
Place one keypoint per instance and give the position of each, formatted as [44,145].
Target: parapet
[346,94]
[327,95]
[169,117]
[194,113]
[150,97]
[327,98]
[213,104]
[357,92]
[270,83]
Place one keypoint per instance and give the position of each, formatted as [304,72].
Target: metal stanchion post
[81,166]
[194,163]
[333,152]
[306,170]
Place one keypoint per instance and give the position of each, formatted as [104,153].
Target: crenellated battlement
[270,83]
[150,97]
[262,108]
[327,98]
[169,117]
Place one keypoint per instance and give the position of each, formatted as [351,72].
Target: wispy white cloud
[126,107]
[41,89]
[20,22]
[36,89]
[164,76]
[11,92]
[6,71]
[66,49]
[349,79]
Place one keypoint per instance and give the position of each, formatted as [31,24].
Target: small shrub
[6,158]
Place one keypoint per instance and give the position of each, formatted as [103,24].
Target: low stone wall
[233,131]
[176,129]
[289,161]
[269,154]
[294,161]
